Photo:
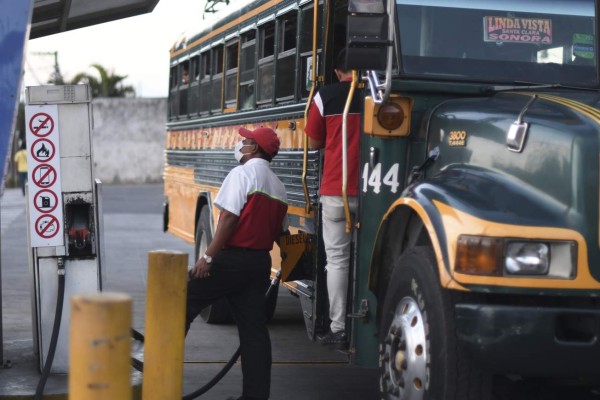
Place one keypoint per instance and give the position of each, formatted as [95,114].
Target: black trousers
[241,276]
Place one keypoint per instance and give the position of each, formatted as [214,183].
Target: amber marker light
[479,255]
[390,116]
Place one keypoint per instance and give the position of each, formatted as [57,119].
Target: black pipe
[39,392]
[137,364]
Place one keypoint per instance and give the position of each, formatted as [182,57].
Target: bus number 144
[373,178]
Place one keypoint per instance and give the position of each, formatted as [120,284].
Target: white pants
[337,249]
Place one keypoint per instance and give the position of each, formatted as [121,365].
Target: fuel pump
[63,213]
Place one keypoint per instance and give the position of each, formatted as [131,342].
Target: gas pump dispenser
[63,212]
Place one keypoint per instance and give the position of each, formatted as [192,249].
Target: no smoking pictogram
[45,201]
[47,226]
[41,124]
[44,175]
[42,150]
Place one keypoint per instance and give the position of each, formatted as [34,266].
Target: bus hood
[551,182]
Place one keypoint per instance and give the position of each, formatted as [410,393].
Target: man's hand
[201,269]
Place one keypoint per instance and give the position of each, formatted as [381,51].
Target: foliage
[107,85]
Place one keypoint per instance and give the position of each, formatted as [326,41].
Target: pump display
[63,213]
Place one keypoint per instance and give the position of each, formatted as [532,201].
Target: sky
[137,47]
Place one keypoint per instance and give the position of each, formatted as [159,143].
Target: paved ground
[133,226]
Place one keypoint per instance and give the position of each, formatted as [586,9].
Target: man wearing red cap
[237,263]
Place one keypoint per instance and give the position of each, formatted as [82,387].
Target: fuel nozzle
[78,238]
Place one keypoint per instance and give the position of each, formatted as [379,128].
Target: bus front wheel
[419,358]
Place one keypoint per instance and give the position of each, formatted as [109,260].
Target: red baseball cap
[266,138]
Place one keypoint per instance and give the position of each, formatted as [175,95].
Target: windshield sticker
[583,45]
[517,30]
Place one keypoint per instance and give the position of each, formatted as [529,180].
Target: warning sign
[44,175]
[45,201]
[45,196]
[47,226]
[42,150]
[41,124]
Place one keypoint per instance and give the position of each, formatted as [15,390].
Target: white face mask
[237,150]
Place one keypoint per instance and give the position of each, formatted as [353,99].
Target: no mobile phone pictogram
[44,175]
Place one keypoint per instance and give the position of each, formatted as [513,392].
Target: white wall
[128,139]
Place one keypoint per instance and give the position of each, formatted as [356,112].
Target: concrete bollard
[165,325]
[100,346]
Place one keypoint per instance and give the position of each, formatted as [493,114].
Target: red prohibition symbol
[45,201]
[44,175]
[41,124]
[46,226]
[42,150]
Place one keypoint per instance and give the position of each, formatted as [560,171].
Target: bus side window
[217,79]
[231,69]
[247,69]
[184,73]
[173,96]
[266,53]
[306,42]
[205,82]
[194,96]
[286,57]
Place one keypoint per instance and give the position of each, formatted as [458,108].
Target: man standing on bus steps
[324,129]
[237,264]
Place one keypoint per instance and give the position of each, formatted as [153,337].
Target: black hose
[137,364]
[39,392]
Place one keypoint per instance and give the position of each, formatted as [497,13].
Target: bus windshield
[504,41]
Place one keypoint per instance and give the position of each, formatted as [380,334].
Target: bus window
[184,72]
[205,82]
[247,68]
[286,58]
[265,63]
[173,97]
[231,69]
[217,79]
[306,42]
[193,98]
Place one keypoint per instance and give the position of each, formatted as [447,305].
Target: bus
[476,247]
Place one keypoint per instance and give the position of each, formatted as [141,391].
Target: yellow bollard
[100,347]
[165,325]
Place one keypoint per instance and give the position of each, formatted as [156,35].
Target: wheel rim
[405,372]
[202,245]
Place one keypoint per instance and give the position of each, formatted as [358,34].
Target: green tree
[107,85]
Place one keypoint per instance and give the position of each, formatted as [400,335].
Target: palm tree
[109,84]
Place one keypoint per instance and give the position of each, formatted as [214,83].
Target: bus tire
[218,312]
[419,358]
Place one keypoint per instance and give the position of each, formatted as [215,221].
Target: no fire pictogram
[43,150]
[47,226]
[41,124]
[44,175]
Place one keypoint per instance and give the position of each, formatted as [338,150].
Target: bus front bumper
[531,341]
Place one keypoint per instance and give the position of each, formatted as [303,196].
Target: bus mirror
[367,42]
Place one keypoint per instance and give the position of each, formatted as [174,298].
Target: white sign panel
[43,173]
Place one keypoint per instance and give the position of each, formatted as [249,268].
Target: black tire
[218,312]
[419,356]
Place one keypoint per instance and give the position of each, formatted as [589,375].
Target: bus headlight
[527,258]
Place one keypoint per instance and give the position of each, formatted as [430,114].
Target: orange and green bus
[476,247]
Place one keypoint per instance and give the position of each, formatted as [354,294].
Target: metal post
[100,347]
[165,325]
